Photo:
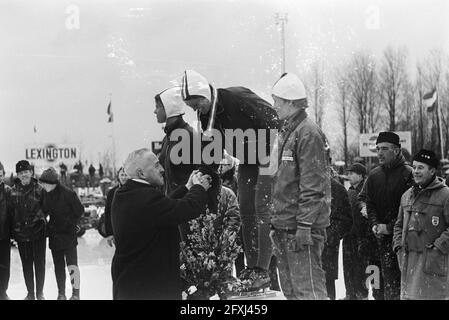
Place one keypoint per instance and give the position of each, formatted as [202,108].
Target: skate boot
[244,275]
[258,279]
[76,294]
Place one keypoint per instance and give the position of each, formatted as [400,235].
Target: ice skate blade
[255,295]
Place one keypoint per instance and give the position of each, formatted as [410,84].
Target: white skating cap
[289,87]
[172,101]
[194,84]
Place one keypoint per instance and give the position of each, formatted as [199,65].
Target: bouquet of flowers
[207,257]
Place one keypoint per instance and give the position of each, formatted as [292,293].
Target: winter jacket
[340,225]
[240,108]
[360,225]
[145,227]
[176,175]
[26,211]
[384,189]
[64,208]
[421,240]
[301,193]
[5,221]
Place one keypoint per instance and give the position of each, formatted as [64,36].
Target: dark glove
[303,239]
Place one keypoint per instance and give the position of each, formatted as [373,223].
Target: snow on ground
[94,258]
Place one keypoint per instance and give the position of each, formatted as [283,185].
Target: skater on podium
[301,194]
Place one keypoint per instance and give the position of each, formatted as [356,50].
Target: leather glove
[303,238]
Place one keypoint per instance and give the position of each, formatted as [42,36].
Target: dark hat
[49,176]
[23,165]
[357,168]
[428,157]
[389,137]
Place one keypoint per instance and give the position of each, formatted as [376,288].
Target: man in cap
[301,195]
[382,192]
[234,109]
[5,235]
[65,209]
[421,233]
[355,262]
[29,228]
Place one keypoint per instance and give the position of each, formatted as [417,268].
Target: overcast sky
[59,78]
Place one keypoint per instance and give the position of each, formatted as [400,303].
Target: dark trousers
[62,258]
[5,264]
[32,253]
[354,268]
[389,268]
[254,196]
[330,287]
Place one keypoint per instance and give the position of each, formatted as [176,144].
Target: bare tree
[316,90]
[392,79]
[374,101]
[344,105]
[422,125]
[362,77]
[433,77]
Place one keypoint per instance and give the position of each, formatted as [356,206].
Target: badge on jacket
[287,155]
[435,220]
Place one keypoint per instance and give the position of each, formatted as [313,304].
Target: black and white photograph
[237,150]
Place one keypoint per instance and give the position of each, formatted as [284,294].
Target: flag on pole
[110,113]
[430,100]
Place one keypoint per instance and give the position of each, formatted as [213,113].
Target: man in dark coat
[5,236]
[65,210]
[355,261]
[145,227]
[238,108]
[340,225]
[29,223]
[385,186]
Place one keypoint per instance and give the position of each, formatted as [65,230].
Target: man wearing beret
[65,209]
[29,228]
[5,235]
[421,233]
[383,190]
[301,194]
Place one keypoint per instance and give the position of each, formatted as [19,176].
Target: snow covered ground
[94,258]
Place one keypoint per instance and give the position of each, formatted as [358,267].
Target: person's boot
[61,296]
[40,296]
[245,273]
[30,296]
[258,279]
[75,294]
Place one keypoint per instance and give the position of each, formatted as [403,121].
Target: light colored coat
[421,240]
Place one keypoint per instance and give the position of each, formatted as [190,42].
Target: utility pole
[281,21]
